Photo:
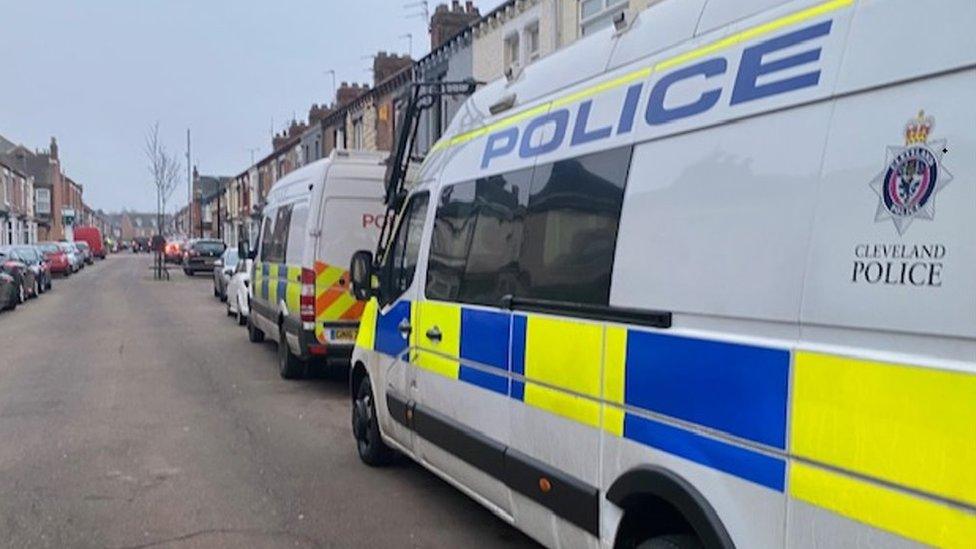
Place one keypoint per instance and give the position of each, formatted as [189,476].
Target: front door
[394,338]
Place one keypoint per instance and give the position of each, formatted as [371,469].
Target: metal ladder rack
[423,96]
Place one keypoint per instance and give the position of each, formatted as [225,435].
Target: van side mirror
[361,273]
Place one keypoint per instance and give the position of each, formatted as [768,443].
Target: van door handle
[434,334]
[404,328]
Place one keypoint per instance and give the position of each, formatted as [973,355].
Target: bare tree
[165,171]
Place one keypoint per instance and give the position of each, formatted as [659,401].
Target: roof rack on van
[423,95]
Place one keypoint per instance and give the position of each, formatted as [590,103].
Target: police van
[703,279]
[314,218]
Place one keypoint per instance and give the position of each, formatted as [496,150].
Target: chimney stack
[54,148]
[386,65]
[347,93]
[317,113]
[446,22]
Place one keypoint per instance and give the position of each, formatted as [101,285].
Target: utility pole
[189,186]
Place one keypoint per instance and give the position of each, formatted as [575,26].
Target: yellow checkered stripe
[333,298]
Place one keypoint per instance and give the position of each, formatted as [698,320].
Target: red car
[56,258]
[93,237]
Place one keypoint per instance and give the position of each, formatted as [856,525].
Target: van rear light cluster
[308,295]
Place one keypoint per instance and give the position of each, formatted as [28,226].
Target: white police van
[314,218]
[707,279]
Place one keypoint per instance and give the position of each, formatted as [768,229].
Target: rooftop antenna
[409,37]
[332,73]
[420,9]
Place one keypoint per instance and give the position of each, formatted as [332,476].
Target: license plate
[342,334]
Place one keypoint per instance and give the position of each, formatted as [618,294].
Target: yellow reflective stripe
[327,278]
[273,283]
[338,307]
[565,355]
[614,371]
[367,326]
[446,317]
[908,425]
[697,53]
[293,289]
[913,517]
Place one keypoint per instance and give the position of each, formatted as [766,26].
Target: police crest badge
[912,176]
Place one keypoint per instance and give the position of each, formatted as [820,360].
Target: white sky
[97,73]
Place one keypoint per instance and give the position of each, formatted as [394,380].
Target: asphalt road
[134,413]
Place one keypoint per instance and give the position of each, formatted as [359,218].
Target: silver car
[74,258]
[223,270]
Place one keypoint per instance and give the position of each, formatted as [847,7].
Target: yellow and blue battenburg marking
[727,406]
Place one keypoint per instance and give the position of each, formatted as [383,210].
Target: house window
[511,50]
[532,42]
[5,186]
[599,14]
[42,204]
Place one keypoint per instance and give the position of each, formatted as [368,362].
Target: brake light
[308,295]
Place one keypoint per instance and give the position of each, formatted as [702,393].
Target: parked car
[237,290]
[201,254]
[22,275]
[56,258]
[32,256]
[86,252]
[173,252]
[141,244]
[74,258]
[93,237]
[224,269]
[9,292]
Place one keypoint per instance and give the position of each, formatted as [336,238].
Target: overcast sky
[97,73]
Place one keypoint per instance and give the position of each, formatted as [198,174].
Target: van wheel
[289,365]
[254,334]
[671,541]
[372,450]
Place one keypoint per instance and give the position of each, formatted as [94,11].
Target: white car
[236,292]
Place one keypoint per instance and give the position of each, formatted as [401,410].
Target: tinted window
[266,238]
[279,236]
[401,260]
[547,233]
[477,237]
[296,234]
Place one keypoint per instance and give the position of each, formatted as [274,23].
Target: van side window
[571,227]
[548,233]
[279,237]
[401,258]
[265,243]
[477,237]
[297,232]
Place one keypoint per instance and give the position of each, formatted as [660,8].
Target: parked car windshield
[48,248]
[209,246]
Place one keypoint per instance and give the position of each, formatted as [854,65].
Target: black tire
[254,334]
[369,443]
[229,312]
[289,365]
[187,272]
[241,319]
[216,293]
[671,541]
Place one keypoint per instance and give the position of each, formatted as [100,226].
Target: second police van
[705,279]
[314,218]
